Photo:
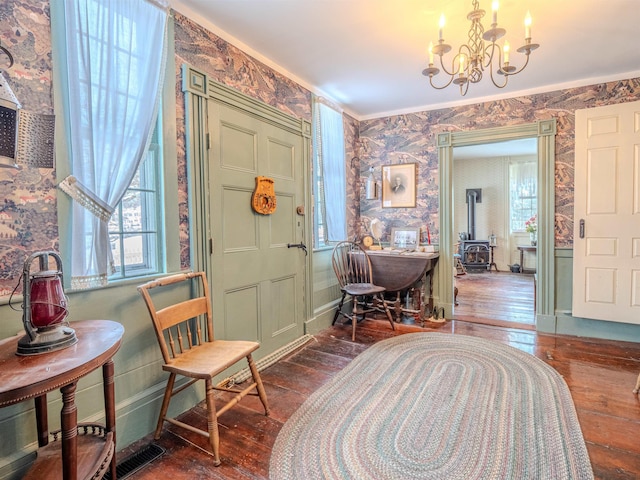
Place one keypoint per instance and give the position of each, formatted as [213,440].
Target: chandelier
[480,53]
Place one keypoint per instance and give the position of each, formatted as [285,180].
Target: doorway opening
[543,132]
[495,200]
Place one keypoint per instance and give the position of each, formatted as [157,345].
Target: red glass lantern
[44,308]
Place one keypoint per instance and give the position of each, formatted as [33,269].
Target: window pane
[329,175]
[134,226]
[137,259]
[523,194]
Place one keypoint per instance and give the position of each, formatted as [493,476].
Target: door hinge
[211,246]
[208,140]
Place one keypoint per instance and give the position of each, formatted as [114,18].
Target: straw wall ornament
[263,199]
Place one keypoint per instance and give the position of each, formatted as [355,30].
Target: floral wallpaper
[28,214]
[411,138]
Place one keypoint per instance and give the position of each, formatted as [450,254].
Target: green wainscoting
[565,324]
[326,292]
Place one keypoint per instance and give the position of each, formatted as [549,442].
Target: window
[109,63]
[135,226]
[523,193]
[330,187]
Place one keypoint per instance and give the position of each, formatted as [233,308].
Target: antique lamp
[44,308]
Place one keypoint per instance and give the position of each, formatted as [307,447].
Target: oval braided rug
[436,406]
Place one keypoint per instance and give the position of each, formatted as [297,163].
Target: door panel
[242,303]
[238,147]
[606,263]
[240,226]
[257,282]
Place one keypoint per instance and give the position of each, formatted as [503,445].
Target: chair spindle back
[179,327]
[351,264]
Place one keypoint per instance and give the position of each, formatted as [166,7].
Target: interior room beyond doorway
[495,195]
[504,299]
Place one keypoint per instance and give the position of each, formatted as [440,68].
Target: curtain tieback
[81,194]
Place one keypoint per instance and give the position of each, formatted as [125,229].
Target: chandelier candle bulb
[430,53]
[461,65]
[527,27]
[494,7]
[440,32]
[506,52]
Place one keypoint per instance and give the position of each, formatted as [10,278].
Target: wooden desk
[398,271]
[526,248]
[77,455]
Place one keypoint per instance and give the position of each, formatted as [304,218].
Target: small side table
[24,377]
[526,248]
[492,263]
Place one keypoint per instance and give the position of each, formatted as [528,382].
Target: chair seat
[210,358]
[358,289]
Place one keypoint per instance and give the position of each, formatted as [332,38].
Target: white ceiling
[368,55]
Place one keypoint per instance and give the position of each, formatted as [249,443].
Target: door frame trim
[545,132]
[198,88]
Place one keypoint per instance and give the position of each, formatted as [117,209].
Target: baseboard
[602,329]
[16,465]
[546,323]
[323,317]
[265,362]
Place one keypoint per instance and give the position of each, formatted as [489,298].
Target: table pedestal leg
[110,408]
[69,425]
[42,420]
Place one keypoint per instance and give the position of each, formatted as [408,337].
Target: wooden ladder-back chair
[185,334]
[352,267]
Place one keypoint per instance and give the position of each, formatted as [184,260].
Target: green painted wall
[326,291]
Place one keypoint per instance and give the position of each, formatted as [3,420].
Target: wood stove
[474,254]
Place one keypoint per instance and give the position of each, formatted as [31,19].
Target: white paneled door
[606,253]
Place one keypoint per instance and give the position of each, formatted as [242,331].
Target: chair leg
[387,311]
[258,381]
[354,318]
[212,422]
[165,404]
[339,310]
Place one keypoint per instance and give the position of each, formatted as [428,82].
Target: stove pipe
[474,196]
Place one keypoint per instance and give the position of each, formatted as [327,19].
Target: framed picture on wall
[408,238]
[399,185]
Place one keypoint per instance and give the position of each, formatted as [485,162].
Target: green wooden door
[257,281]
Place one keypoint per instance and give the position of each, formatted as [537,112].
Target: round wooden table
[83,449]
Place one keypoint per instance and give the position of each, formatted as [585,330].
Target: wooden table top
[24,377]
[398,270]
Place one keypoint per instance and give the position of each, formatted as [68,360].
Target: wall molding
[544,131]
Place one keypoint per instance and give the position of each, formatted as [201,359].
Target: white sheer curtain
[330,142]
[523,186]
[115,51]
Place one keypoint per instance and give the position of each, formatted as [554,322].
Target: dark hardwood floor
[600,375]
[499,298]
